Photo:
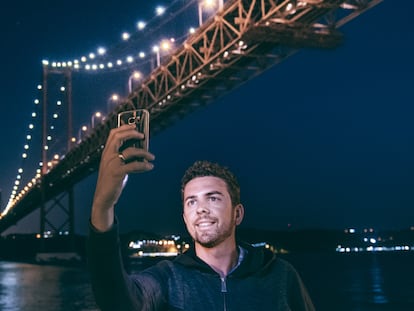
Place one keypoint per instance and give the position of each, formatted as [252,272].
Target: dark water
[359,282]
[337,282]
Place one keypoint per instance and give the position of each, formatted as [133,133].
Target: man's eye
[213,199]
[191,202]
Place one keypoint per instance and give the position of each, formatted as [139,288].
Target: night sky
[323,140]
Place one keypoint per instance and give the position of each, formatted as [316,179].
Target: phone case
[141,118]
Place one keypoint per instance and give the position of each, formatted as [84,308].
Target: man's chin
[206,241]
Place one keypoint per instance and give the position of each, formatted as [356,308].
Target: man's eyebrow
[206,195]
[214,192]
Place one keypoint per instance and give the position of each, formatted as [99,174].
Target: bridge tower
[56,214]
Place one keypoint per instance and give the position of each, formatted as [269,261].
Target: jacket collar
[255,260]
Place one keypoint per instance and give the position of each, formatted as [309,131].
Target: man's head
[211,204]
[206,168]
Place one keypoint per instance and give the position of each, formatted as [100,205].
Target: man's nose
[203,208]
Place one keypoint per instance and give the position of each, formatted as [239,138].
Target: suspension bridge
[239,42]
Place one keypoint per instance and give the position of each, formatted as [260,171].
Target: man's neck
[221,258]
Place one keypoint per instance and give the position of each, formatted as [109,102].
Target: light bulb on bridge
[159,10]
[125,36]
[101,51]
[141,25]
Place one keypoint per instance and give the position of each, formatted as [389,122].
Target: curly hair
[207,168]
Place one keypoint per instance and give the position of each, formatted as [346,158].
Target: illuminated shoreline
[398,248]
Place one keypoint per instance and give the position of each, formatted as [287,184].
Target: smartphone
[140,118]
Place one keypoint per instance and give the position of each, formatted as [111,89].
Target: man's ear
[239,213]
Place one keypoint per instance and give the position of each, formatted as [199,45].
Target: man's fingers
[119,135]
[140,166]
[131,153]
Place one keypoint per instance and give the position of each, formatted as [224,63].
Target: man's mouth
[205,224]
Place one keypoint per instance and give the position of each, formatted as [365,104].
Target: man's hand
[114,168]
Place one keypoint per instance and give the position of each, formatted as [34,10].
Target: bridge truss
[240,42]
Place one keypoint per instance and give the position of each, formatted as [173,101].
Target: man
[218,273]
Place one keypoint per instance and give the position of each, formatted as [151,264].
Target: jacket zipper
[224,291]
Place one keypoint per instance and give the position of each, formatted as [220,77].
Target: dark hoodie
[261,282]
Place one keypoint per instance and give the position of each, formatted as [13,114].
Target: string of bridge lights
[32,126]
[96,60]
[24,156]
[86,63]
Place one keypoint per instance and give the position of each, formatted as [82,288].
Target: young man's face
[208,212]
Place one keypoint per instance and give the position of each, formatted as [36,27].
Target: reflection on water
[367,284]
[26,287]
[377,284]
